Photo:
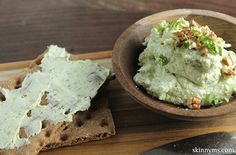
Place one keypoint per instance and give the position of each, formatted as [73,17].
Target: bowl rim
[148,102]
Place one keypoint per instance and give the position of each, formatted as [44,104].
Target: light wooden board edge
[23,64]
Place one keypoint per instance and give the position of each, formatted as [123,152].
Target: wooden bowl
[129,45]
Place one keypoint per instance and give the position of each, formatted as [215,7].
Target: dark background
[28,26]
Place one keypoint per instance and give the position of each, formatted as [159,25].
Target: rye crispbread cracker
[37,142]
[94,124]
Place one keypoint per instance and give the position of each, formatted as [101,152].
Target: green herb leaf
[186,45]
[163,60]
[159,28]
[218,50]
[173,24]
[214,101]
[210,45]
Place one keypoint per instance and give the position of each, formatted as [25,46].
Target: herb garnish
[159,28]
[214,101]
[173,24]
[210,45]
[163,60]
[191,35]
[186,45]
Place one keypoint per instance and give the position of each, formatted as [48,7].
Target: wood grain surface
[82,26]
[138,129]
[27,26]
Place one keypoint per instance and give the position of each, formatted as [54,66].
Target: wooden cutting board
[138,129]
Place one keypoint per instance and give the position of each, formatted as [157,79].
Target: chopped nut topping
[203,38]
[213,36]
[194,23]
[203,51]
[187,31]
[199,44]
[196,106]
[234,71]
[227,61]
[194,102]
[183,36]
[178,34]
[228,71]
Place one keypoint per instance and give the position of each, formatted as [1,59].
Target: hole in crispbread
[35,65]
[22,133]
[79,123]
[93,107]
[113,132]
[88,116]
[18,83]
[65,128]
[38,62]
[79,118]
[64,137]
[29,113]
[103,123]
[44,124]
[2,97]
[104,135]
[48,133]
[41,143]
[44,99]
[67,112]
